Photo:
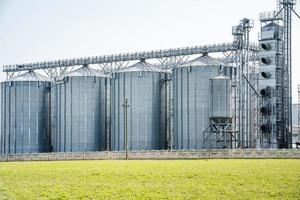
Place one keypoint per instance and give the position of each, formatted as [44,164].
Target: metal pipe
[125,105]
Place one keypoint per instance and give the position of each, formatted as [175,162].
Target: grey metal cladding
[144,88]
[80,113]
[25,112]
[191,101]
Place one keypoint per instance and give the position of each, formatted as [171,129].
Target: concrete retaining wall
[148,155]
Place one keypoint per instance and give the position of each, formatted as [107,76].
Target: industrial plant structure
[230,95]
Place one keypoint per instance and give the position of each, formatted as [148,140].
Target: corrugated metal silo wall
[79,112]
[25,117]
[146,115]
[191,104]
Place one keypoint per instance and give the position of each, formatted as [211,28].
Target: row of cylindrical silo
[88,110]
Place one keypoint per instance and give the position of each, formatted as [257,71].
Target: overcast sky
[32,30]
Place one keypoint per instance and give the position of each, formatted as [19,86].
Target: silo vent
[266,47]
[266,128]
[266,74]
[266,61]
[265,92]
[266,110]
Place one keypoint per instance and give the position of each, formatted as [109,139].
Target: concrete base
[156,155]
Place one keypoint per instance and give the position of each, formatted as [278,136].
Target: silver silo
[80,111]
[221,98]
[220,133]
[191,100]
[144,85]
[25,114]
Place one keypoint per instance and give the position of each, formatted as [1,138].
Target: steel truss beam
[178,53]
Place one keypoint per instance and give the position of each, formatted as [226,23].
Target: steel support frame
[220,132]
[287,72]
[246,101]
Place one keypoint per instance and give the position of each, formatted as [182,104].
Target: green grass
[182,179]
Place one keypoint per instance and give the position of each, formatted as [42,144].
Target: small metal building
[145,87]
[80,111]
[191,100]
[25,114]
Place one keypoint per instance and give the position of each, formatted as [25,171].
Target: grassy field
[184,179]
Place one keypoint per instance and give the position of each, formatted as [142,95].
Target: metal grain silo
[220,133]
[144,85]
[25,114]
[191,100]
[221,98]
[80,111]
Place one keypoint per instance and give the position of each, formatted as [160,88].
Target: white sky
[41,30]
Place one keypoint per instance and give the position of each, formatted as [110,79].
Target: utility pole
[125,105]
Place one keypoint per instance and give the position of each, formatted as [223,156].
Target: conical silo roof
[83,71]
[221,76]
[204,60]
[142,66]
[30,76]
